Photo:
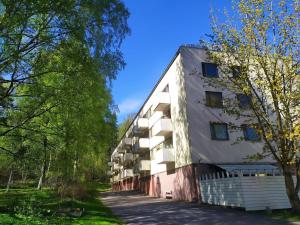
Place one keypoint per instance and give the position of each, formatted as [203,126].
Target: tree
[30,28]
[257,51]
[124,125]
[56,64]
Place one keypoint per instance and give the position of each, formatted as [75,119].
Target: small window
[250,133]
[209,70]
[214,99]
[244,101]
[219,131]
[236,71]
[166,89]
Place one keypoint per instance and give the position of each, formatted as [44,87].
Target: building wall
[181,183]
[203,148]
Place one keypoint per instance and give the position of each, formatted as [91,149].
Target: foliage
[123,126]
[46,202]
[57,59]
[257,50]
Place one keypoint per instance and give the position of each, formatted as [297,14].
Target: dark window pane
[236,71]
[244,101]
[250,133]
[214,99]
[219,131]
[209,70]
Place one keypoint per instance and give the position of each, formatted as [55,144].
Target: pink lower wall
[182,183]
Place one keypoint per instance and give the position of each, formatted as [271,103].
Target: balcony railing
[161,101]
[116,166]
[162,127]
[121,150]
[126,143]
[144,165]
[127,173]
[117,177]
[128,157]
[141,144]
[165,153]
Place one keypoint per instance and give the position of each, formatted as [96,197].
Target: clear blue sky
[158,28]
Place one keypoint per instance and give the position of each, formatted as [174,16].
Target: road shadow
[139,209]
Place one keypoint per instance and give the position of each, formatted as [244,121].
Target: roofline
[161,77]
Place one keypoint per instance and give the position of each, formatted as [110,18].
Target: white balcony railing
[126,142]
[109,173]
[162,127]
[161,101]
[116,166]
[144,165]
[141,144]
[128,157]
[120,150]
[142,123]
[127,173]
[165,153]
[117,177]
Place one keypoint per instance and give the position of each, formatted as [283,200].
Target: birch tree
[257,49]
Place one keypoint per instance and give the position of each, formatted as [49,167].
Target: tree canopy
[57,60]
[257,50]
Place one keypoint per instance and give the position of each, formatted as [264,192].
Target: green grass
[29,206]
[282,214]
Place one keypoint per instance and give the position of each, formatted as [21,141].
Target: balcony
[117,178]
[110,164]
[126,143]
[144,165]
[162,101]
[127,173]
[141,144]
[165,153]
[163,127]
[120,150]
[128,157]
[110,173]
[116,166]
[142,123]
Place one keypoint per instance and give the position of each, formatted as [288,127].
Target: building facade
[181,132]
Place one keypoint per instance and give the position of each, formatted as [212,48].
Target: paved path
[138,209]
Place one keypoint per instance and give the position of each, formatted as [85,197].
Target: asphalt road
[138,209]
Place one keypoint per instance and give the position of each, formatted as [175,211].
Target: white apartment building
[181,132]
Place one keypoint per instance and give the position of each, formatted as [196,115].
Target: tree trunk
[42,177]
[49,163]
[43,169]
[291,191]
[9,181]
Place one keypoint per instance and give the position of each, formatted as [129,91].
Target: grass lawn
[282,214]
[29,206]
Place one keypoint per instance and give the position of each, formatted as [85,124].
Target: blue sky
[158,28]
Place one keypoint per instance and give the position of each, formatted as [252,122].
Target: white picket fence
[254,192]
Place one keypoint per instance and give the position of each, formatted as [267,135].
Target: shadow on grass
[42,205]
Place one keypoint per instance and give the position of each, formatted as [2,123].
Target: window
[219,131]
[209,70]
[236,71]
[244,101]
[166,89]
[214,99]
[250,133]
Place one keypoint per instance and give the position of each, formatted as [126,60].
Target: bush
[73,190]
